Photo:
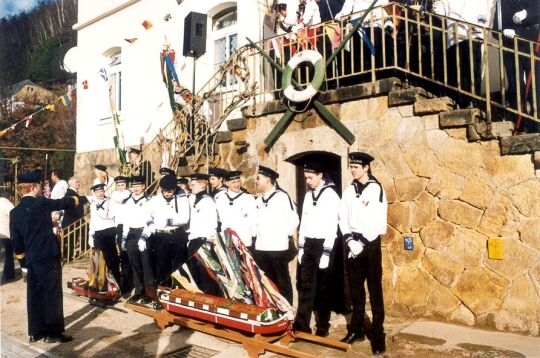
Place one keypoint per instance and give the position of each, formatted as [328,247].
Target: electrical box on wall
[495,249]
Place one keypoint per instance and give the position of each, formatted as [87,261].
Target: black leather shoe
[62,338]
[34,339]
[321,333]
[145,300]
[136,297]
[353,337]
[378,345]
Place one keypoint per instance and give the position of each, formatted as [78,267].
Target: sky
[14,7]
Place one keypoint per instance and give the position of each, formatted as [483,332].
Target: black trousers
[141,266]
[44,298]
[367,267]
[312,286]
[170,253]
[465,66]
[198,270]
[9,263]
[104,240]
[126,276]
[276,266]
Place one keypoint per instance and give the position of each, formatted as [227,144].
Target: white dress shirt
[119,198]
[101,215]
[59,190]
[137,214]
[354,6]
[170,214]
[311,15]
[365,214]
[320,215]
[475,12]
[238,211]
[5,207]
[276,221]
[203,216]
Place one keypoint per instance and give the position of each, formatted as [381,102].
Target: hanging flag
[85,84]
[103,74]
[147,24]
[13,126]
[364,37]
[28,120]
[66,99]
[333,30]
[131,40]
[50,107]
[4,131]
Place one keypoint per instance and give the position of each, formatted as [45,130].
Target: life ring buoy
[311,90]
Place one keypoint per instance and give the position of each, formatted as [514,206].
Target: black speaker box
[195,34]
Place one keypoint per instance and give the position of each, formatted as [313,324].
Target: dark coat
[31,227]
[73,214]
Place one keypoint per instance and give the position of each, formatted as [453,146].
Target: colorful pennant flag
[66,99]
[147,24]
[28,120]
[3,132]
[103,74]
[50,107]
[131,40]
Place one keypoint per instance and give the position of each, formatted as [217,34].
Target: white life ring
[312,88]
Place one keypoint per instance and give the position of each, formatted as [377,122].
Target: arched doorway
[331,161]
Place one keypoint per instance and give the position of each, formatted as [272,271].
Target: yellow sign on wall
[495,249]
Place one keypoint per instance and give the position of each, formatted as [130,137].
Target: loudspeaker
[195,34]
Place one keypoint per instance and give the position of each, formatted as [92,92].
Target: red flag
[147,24]
[28,120]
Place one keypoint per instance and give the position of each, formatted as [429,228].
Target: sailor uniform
[362,217]
[33,238]
[237,211]
[318,230]
[276,221]
[169,238]
[202,225]
[118,199]
[103,230]
[136,218]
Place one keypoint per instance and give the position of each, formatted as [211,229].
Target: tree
[47,59]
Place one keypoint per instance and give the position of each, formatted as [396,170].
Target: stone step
[478,131]
[407,96]
[520,144]
[433,105]
[460,118]
[224,137]
[237,124]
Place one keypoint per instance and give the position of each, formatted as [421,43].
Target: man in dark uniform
[362,220]
[31,228]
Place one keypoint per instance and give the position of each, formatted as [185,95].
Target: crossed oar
[328,116]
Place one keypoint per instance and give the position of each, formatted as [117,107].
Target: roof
[14,88]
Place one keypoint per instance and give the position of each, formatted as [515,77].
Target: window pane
[221,50]
[224,19]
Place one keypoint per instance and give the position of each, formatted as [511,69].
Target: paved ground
[118,332]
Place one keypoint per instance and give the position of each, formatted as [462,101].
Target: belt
[359,237]
[169,231]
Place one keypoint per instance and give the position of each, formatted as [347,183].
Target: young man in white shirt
[237,210]
[169,212]
[362,220]
[318,231]
[276,222]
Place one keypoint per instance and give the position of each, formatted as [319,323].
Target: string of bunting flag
[65,99]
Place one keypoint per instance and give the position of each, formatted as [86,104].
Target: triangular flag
[13,126]
[103,74]
[131,40]
[147,24]
[28,120]
[4,131]
[85,84]
[66,99]
[50,107]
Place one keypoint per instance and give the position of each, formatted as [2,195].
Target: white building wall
[145,102]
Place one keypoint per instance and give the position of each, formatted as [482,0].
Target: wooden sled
[81,288]
[231,320]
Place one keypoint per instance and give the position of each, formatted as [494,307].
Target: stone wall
[449,194]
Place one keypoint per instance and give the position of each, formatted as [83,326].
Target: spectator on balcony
[458,46]
[139,166]
[520,19]
[366,48]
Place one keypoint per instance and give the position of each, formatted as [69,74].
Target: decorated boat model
[221,311]
[82,287]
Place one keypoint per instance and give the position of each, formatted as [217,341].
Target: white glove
[519,16]
[124,241]
[481,19]
[142,245]
[324,261]
[91,240]
[301,241]
[300,254]
[356,247]
[509,33]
